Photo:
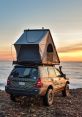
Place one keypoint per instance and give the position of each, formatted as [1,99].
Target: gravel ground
[62,107]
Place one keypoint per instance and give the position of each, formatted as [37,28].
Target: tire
[48,98]
[65,92]
[13,98]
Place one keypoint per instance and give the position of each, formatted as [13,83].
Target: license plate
[21,83]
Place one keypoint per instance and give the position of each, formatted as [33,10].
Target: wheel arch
[50,87]
[67,82]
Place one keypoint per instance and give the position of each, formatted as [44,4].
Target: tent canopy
[36,46]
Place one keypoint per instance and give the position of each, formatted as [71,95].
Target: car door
[61,80]
[53,78]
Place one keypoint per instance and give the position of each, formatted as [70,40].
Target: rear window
[24,72]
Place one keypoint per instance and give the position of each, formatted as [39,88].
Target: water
[5,68]
[73,71]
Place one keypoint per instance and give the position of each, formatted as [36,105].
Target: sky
[62,17]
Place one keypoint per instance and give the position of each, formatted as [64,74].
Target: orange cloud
[6,54]
[71,53]
[76,47]
[71,56]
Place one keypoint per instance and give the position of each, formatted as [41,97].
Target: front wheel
[48,98]
[65,92]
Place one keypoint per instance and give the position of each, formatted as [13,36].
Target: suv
[36,80]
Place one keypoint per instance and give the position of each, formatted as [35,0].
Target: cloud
[71,48]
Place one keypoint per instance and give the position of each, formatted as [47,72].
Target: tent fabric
[29,53]
[36,46]
[31,37]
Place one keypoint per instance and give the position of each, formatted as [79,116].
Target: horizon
[64,19]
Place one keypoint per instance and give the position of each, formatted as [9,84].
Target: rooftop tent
[36,46]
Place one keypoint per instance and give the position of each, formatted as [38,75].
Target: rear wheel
[48,98]
[65,92]
[13,98]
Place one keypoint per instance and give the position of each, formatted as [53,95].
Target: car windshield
[24,72]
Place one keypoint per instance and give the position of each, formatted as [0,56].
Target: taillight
[8,82]
[39,84]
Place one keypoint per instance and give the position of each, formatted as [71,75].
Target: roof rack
[30,63]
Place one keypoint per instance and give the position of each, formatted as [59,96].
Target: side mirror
[64,75]
[60,68]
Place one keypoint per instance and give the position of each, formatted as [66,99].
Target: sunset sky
[62,17]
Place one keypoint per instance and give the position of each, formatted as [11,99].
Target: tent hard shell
[36,47]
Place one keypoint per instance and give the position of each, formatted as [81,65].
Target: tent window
[49,53]
[49,48]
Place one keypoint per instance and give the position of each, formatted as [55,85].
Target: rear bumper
[22,92]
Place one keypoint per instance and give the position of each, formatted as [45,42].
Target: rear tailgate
[23,83]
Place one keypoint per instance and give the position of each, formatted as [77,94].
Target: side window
[51,72]
[43,71]
[57,72]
